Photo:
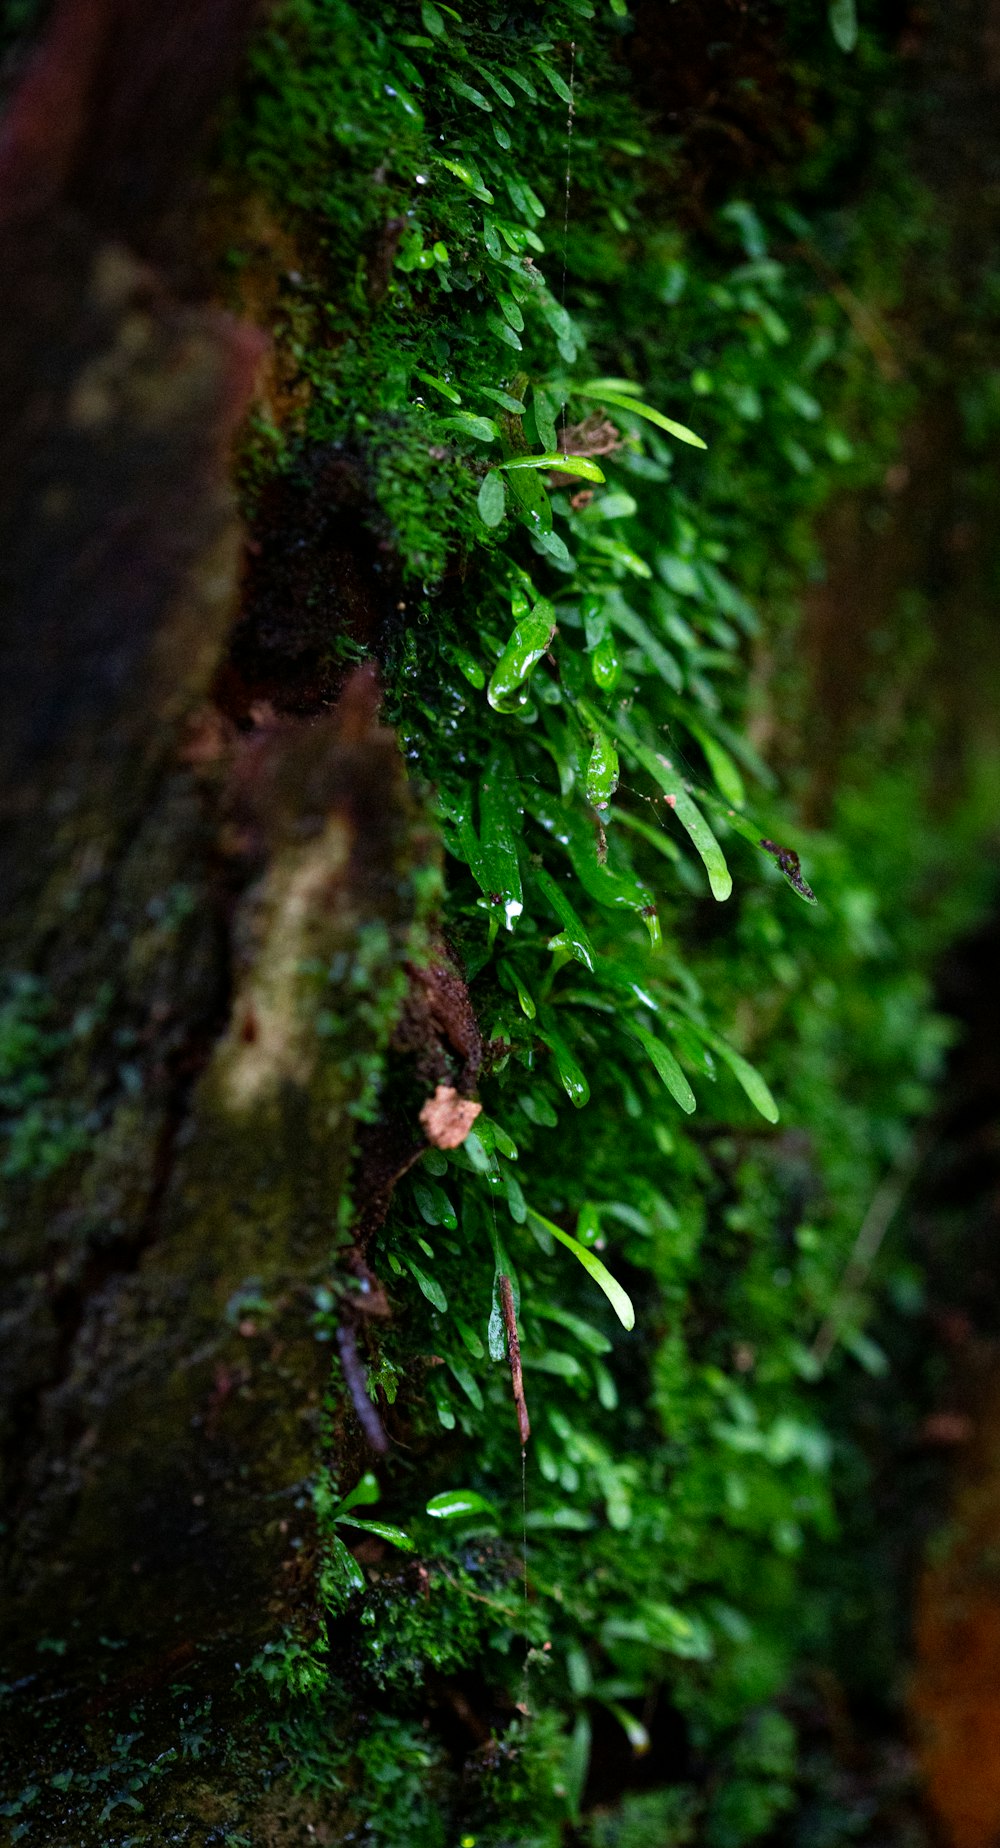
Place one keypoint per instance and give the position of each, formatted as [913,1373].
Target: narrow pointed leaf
[624,402]
[750,1078]
[666,1065]
[619,1299]
[688,814]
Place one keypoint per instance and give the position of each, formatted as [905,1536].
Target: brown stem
[514,1355]
[357,1382]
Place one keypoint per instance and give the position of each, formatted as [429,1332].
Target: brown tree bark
[175,897]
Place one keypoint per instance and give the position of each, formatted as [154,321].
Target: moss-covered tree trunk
[180,1133]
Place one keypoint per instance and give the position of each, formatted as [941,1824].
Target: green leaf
[498,88]
[574,831]
[577,938]
[471,95]
[431,1289]
[662,771]
[383,1531]
[559,84]
[844,23]
[470,176]
[572,1075]
[503,331]
[433,22]
[639,632]
[491,500]
[620,1301]
[724,770]
[503,398]
[526,646]
[523,83]
[362,1495]
[605,393]
[602,771]
[545,422]
[555,548]
[554,459]
[497,868]
[441,385]
[457,1504]
[468,665]
[666,1065]
[347,1569]
[481,429]
[749,1077]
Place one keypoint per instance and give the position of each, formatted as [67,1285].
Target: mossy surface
[694,1074]
[599,682]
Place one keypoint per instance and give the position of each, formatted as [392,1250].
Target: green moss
[680,1475]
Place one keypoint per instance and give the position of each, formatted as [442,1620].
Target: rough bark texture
[175,899]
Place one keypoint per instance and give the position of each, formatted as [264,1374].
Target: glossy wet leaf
[346,1568]
[605,663]
[554,459]
[363,1494]
[383,1531]
[661,769]
[619,1299]
[576,936]
[602,771]
[526,646]
[498,869]
[491,500]
[571,1073]
[607,393]
[666,1065]
[577,834]
[469,666]
[458,1504]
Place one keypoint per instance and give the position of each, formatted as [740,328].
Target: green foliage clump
[690,1097]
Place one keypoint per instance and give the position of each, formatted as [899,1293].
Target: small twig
[357,1385]
[514,1355]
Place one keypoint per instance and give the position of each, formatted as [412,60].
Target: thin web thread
[569,180]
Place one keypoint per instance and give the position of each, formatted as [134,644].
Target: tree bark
[182,906]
